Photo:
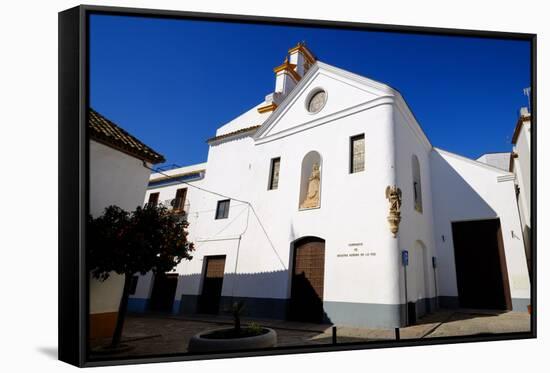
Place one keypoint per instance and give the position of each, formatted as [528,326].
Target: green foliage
[255,328]
[149,238]
[237,309]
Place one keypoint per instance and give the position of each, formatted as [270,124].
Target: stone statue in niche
[393,195]
[312,197]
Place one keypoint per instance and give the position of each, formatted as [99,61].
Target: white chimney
[524,112]
[302,57]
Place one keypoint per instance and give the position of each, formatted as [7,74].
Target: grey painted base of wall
[452,302]
[446,301]
[340,313]
[364,314]
[520,304]
[271,308]
[189,304]
[371,315]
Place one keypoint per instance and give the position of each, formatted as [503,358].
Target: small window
[222,211]
[357,153]
[179,201]
[417,184]
[317,101]
[274,173]
[133,284]
[153,199]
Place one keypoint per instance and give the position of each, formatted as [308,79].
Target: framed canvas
[239,186]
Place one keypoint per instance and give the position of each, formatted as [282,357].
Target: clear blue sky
[172,83]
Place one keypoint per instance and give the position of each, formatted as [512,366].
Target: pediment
[344,91]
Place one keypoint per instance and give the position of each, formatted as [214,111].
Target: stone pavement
[153,334]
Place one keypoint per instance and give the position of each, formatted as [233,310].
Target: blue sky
[172,83]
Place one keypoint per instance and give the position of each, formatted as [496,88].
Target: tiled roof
[238,132]
[106,132]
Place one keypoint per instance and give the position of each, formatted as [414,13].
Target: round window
[317,101]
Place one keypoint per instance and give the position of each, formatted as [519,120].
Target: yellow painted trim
[288,68]
[285,66]
[305,51]
[266,108]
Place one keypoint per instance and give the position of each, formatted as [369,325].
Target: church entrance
[481,272]
[306,301]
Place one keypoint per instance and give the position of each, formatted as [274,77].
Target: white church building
[311,203]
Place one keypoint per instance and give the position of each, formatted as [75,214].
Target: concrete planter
[200,344]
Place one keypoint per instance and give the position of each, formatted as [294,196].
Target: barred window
[417,184]
[274,173]
[357,153]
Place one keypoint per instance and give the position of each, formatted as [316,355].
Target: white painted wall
[416,228]
[353,209]
[464,189]
[248,119]
[522,171]
[115,179]
[498,160]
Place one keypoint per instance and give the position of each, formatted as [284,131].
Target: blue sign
[405,258]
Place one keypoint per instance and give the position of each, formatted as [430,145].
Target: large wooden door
[163,293]
[306,303]
[212,284]
[481,273]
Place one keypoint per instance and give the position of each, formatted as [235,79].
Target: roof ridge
[109,133]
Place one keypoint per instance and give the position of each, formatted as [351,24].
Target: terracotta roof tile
[103,130]
[238,132]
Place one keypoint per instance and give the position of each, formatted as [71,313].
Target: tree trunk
[237,324]
[117,335]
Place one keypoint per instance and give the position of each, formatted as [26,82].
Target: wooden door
[308,272]
[163,293]
[212,284]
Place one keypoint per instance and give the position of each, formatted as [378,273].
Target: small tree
[147,239]
[237,309]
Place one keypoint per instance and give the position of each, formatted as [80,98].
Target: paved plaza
[153,334]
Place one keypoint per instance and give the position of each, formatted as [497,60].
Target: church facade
[327,202]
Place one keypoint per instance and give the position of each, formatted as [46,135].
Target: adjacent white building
[308,201]
[499,160]
[520,166]
[117,177]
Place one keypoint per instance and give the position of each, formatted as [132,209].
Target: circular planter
[200,344]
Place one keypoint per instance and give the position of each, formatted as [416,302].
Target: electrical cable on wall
[226,197]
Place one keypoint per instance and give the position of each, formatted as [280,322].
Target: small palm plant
[237,309]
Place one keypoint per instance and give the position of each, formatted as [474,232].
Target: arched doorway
[308,274]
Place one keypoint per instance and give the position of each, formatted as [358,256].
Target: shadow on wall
[455,196]
[262,305]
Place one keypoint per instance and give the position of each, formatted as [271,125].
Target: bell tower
[288,74]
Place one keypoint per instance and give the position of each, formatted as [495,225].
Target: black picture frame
[74,187]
